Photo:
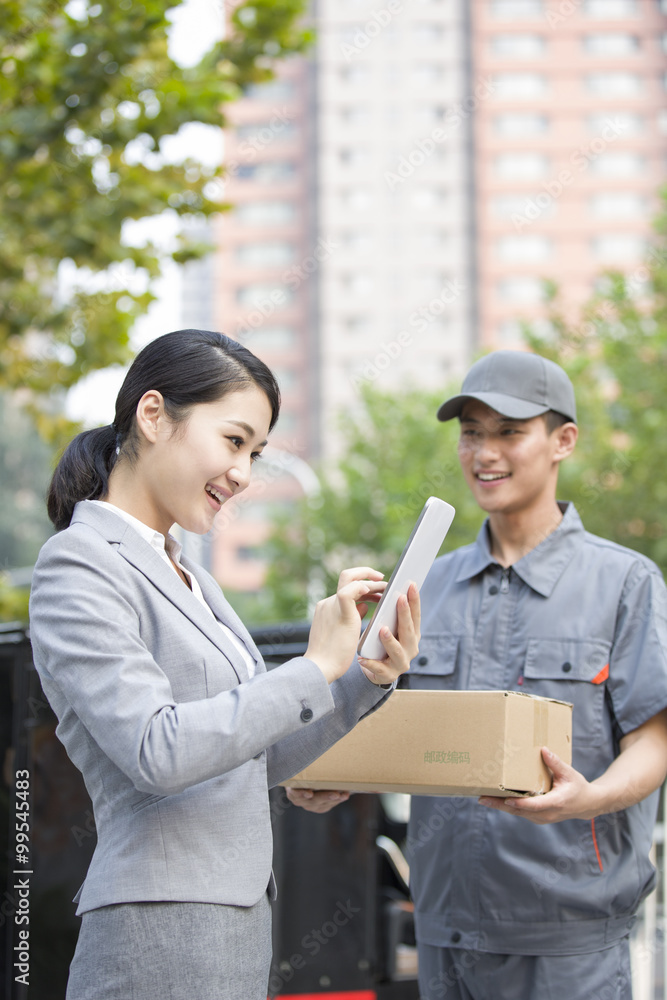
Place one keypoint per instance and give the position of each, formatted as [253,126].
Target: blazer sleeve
[355,697]
[99,674]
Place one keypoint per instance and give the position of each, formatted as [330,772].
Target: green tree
[25,464]
[395,453]
[617,359]
[85,88]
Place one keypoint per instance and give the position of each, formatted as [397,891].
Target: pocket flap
[437,655]
[567,659]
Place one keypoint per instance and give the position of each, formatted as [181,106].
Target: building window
[357,241]
[353,156]
[267,295]
[433,239]
[259,135]
[265,213]
[425,76]
[616,44]
[265,254]
[274,338]
[273,90]
[430,114]
[619,247]
[618,205]
[427,33]
[355,74]
[427,198]
[522,290]
[523,85]
[355,116]
[614,84]
[360,283]
[607,10]
[521,166]
[511,10]
[271,172]
[524,248]
[357,326]
[357,199]
[623,122]
[618,164]
[518,46]
[506,205]
[510,331]
[521,123]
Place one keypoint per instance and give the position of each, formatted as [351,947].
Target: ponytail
[82,473]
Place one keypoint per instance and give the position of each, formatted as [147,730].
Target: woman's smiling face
[190,468]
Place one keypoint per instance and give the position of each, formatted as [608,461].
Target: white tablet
[416,560]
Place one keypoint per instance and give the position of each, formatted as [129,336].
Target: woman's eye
[255,457]
[236,441]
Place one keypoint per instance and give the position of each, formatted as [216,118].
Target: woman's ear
[566,438]
[150,415]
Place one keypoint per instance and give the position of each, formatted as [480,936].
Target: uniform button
[456,937]
[422,661]
[493,589]
[566,667]
[306,714]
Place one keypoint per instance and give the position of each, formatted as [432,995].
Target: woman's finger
[358,573]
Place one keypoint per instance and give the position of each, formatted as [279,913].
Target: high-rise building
[570,149]
[402,193]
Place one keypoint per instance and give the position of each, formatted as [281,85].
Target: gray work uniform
[580,619]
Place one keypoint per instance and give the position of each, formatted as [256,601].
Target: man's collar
[542,567]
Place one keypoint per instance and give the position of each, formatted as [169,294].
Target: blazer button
[456,937]
[422,661]
[306,714]
[566,667]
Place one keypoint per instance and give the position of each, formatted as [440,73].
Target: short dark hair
[187,367]
[552,419]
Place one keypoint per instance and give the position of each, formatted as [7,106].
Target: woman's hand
[334,634]
[400,649]
[316,802]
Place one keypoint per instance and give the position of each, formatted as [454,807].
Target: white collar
[153,537]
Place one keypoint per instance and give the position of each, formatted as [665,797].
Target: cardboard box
[448,743]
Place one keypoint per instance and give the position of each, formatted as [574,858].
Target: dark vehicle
[343,925]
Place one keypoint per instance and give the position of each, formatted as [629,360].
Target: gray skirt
[173,951]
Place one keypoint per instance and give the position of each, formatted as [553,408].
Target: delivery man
[534,898]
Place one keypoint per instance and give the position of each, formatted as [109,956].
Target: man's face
[509,465]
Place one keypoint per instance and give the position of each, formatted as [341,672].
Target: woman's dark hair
[187,367]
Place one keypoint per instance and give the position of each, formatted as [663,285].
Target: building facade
[402,194]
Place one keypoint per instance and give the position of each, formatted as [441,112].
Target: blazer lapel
[223,610]
[137,551]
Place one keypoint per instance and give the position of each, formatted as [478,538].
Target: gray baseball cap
[517,384]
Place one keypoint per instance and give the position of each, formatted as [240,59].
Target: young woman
[163,700]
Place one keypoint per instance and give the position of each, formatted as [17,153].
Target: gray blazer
[176,744]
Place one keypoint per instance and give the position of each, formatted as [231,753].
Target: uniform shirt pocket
[435,663]
[571,670]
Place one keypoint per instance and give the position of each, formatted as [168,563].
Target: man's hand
[638,770]
[316,802]
[570,796]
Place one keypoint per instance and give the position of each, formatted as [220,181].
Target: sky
[196,24]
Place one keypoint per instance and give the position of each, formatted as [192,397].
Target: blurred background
[368,194]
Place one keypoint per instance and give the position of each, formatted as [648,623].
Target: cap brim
[507,406]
